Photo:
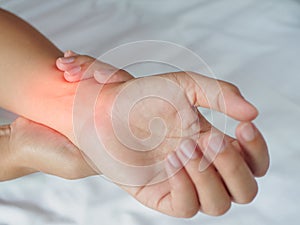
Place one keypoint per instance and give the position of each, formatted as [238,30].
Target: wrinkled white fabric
[251,43]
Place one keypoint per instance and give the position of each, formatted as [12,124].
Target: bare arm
[30,83]
[33,87]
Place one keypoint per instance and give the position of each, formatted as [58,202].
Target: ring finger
[213,196]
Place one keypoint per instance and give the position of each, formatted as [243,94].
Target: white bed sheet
[252,43]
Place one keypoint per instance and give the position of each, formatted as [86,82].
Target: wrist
[48,100]
[58,104]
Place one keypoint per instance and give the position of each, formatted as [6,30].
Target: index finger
[254,147]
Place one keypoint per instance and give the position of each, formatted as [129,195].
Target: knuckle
[229,86]
[186,210]
[236,167]
[262,172]
[232,160]
[249,196]
[217,209]
[188,213]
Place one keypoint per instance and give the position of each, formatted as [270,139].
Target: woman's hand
[76,68]
[27,147]
[228,165]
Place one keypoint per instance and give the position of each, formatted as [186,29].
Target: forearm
[30,83]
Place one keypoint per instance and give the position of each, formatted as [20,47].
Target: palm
[141,126]
[162,196]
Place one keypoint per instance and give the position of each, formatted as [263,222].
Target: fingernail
[67,60]
[173,160]
[248,132]
[188,148]
[73,71]
[216,143]
[69,53]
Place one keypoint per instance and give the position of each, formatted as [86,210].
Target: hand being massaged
[230,176]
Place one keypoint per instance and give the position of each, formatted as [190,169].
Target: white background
[252,43]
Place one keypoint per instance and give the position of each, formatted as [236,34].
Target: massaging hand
[28,147]
[228,177]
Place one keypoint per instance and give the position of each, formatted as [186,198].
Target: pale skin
[29,60]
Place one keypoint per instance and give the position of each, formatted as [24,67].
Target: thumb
[218,95]
[45,150]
